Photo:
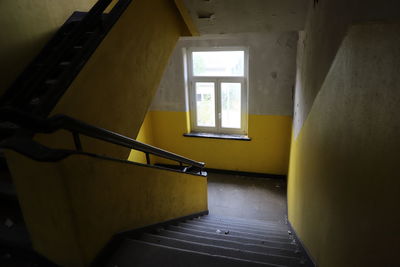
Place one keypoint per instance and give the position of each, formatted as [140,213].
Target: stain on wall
[236,16]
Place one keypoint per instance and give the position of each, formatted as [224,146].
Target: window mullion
[218,104]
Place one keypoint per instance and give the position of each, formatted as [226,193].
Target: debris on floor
[8,223]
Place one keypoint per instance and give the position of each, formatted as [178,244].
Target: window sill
[219,136]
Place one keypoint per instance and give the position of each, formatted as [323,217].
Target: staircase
[213,241]
[43,82]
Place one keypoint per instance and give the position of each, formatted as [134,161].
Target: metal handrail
[19,119]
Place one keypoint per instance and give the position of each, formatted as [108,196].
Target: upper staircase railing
[43,82]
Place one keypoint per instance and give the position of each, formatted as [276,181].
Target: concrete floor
[247,197]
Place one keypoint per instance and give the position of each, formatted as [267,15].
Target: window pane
[218,63]
[230,105]
[205,104]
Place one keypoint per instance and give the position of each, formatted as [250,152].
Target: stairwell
[78,182]
[213,241]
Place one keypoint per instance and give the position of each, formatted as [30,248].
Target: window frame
[217,80]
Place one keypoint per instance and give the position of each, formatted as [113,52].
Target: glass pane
[218,63]
[205,104]
[230,105]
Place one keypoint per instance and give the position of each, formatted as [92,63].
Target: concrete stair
[213,241]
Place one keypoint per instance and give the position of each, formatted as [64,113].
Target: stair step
[143,254]
[230,243]
[51,82]
[273,226]
[243,220]
[65,63]
[283,239]
[220,250]
[278,233]
[250,240]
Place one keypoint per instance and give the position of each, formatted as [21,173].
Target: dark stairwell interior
[247,226]
[74,191]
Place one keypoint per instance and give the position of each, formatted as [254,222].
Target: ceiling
[238,16]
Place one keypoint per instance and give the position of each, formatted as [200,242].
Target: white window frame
[217,80]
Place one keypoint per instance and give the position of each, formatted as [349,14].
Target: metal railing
[43,82]
[21,127]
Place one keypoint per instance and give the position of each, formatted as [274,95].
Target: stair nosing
[284,239]
[205,254]
[282,235]
[227,248]
[254,239]
[276,226]
[280,227]
[230,241]
[238,234]
[246,222]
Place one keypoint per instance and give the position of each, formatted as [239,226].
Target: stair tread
[142,254]
[229,243]
[232,237]
[272,233]
[65,63]
[219,217]
[51,81]
[276,226]
[221,250]
[243,221]
[234,232]
[244,228]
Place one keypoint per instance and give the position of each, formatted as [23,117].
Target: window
[218,90]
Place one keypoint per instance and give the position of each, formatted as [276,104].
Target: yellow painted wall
[115,87]
[73,207]
[26,26]
[267,152]
[343,185]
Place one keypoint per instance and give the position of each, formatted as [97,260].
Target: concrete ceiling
[237,16]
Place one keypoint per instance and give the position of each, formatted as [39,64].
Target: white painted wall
[240,16]
[272,67]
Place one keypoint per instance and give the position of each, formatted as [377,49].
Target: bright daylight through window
[218,90]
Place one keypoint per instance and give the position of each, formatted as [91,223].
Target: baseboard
[112,246]
[248,174]
[231,172]
[303,248]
